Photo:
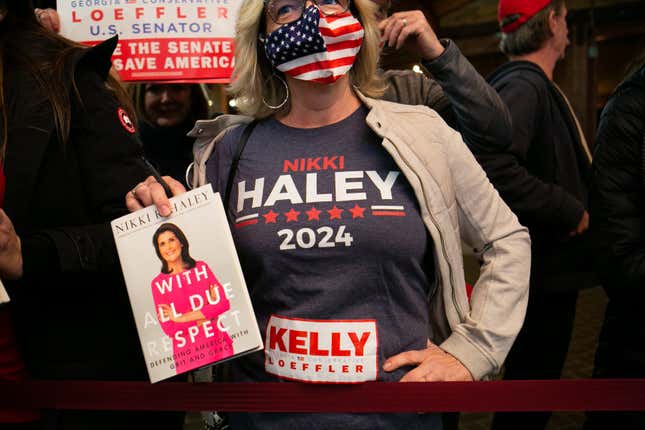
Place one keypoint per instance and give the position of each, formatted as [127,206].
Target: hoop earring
[286,89]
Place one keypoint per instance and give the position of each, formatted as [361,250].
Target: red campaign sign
[180,60]
[159,40]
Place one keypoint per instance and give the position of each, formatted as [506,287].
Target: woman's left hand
[48,18]
[411,27]
[432,364]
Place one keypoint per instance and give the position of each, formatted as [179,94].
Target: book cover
[185,284]
[4,296]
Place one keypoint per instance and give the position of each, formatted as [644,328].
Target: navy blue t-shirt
[338,262]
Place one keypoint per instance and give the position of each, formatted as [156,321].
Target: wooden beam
[475,46]
[588,4]
[474,13]
[485,11]
[444,7]
[618,30]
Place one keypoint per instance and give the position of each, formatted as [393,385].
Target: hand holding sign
[48,18]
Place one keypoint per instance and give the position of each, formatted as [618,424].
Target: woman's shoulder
[224,128]
[89,69]
[207,129]
[391,112]
[97,59]
[415,121]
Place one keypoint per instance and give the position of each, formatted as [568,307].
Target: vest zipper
[392,149]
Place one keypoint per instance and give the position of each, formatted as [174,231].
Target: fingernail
[387,366]
[165,210]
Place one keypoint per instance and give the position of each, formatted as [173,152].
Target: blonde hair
[252,76]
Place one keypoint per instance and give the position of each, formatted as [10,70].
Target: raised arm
[458,92]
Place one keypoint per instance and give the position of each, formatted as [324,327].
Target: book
[4,296]
[185,284]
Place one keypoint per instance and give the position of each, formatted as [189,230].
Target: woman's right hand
[150,192]
[10,249]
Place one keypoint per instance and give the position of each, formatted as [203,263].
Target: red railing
[556,395]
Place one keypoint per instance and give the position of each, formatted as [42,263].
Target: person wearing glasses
[348,214]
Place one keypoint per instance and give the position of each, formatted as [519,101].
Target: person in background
[370,243]
[456,90]
[165,115]
[68,154]
[543,177]
[617,226]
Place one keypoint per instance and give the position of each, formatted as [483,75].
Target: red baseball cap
[523,9]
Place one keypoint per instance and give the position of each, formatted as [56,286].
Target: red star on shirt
[357,211]
[313,214]
[270,217]
[334,213]
[292,215]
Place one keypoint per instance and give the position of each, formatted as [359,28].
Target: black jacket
[543,176]
[169,149]
[617,201]
[73,318]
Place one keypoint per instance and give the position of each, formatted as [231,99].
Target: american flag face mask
[316,47]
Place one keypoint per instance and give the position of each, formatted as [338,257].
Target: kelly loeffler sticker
[324,351]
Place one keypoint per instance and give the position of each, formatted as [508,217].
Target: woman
[177,313]
[348,215]
[69,153]
[166,113]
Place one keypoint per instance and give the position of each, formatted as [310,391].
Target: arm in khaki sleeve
[500,296]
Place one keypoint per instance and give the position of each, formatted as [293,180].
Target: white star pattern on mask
[316,47]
